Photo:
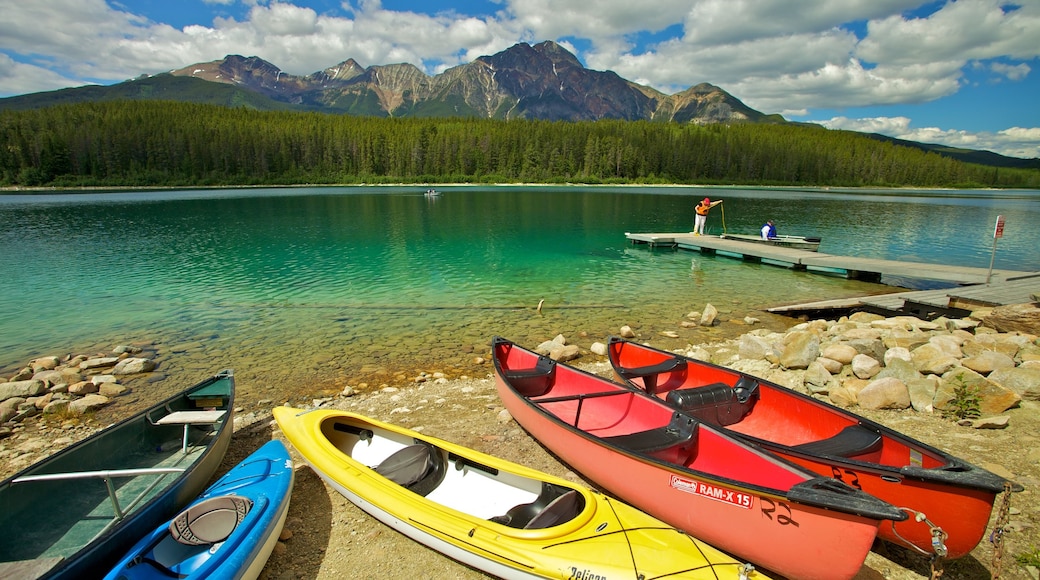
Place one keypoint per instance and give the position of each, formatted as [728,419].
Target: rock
[98,362]
[710,316]
[988,361]
[1014,317]
[801,349]
[626,332]
[948,344]
[564,353]
[865,367]
[111,390]
[930,359]
[817,378]
[131,366]
[960,382]
[55,407]
[46,363]
[598,348]
[83,388]
[833,367]
[842,397]
[1000,422]
[752,347]
[1023,380]
[25,388]
[886,393]
[901,370]
[87,404]
[922,393]
[897,353]
[669,334]
[843,353]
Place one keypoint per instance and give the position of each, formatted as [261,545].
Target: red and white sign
[714,492]
[998,232]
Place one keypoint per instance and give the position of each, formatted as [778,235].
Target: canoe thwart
[717,403]
[849,442]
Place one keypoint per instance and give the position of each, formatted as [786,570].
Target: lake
[305,290]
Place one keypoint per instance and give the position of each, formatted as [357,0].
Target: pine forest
[159,143]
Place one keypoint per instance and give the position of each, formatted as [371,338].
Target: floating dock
[856,268]
[978,287]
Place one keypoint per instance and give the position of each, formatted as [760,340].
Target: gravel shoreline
[328,537]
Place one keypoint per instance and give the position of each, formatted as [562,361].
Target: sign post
[998,232]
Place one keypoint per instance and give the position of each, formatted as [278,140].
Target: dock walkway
[857,268]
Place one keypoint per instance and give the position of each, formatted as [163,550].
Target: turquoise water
[304,290]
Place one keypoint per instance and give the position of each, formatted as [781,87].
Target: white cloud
[1014,142]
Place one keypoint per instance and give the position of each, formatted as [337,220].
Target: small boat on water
[432,193]
[955,497]
[494,515]
[689,474]
[78,511]
[228,532]
[783,241]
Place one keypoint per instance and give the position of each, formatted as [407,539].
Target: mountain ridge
[541,81]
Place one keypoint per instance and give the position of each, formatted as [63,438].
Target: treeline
[149,143]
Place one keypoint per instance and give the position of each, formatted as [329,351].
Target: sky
[954,72]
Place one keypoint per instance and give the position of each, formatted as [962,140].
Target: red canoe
[725,491]
[955,497]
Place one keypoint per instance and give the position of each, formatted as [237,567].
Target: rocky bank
[962,385]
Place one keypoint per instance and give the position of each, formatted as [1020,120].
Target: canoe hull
[954,495]
[773,527]
[266,479]
[605,538]
[76,541]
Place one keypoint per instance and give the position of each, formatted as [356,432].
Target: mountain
[544,81]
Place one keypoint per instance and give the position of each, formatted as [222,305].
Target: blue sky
[961,72]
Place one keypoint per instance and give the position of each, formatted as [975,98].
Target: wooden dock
[867,269]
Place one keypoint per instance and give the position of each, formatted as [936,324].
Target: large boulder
[959,382]
[1022,380]
[800,350]
[1014,317]
[26,388]
[887,393]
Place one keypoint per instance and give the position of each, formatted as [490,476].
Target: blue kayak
[227,532]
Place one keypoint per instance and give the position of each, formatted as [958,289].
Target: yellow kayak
[489,513]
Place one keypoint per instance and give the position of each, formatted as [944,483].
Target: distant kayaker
[768,230]
[701,215]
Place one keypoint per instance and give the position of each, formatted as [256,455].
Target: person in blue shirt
[768,230]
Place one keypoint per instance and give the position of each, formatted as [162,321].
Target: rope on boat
[997,537]
[939,550]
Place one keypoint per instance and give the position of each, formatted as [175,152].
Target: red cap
[706,200]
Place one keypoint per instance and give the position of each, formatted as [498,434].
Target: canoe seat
[717,403]
[671,443]
[533,382]
[209,521]
[561,509]
[419,467]
[849,442]
[552,506]
[649,373]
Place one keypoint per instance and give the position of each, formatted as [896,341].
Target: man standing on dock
[701,215]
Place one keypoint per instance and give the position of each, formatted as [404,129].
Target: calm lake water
[305,290]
